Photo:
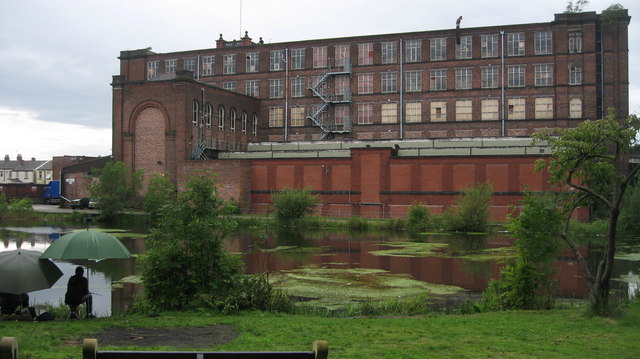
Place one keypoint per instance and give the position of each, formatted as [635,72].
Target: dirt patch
[202,337]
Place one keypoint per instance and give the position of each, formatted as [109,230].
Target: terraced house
[371,123]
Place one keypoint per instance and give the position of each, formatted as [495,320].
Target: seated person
[78,293]
[14,303]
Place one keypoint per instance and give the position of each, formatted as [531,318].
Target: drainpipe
[286,94]
[401,92]
[502,81]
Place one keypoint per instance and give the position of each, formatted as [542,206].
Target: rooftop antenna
[240,19]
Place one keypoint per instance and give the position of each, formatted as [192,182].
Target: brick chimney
[6,157]
[20,160]
[220,42]
[246,40]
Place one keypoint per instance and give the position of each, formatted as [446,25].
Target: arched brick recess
[149,142]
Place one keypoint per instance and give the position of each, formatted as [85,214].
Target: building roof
[22,165]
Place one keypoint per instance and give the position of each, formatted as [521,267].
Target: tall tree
[592,160]
[116,188]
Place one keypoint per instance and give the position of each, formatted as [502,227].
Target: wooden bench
[90,351]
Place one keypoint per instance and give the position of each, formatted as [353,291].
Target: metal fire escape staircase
[321,89]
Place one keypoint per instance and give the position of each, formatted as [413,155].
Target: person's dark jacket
[77,288]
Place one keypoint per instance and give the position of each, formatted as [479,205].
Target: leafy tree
[571,8]
[161,193]
[292,205]
[417,218]
[471,213]
[592,160]
[116,188]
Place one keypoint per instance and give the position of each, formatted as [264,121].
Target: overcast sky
[57,57]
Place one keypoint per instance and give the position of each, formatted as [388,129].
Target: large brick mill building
[370,123]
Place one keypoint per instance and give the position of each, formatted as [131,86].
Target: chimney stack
[20,161]
[6,157]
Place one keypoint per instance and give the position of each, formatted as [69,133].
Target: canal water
[464,263]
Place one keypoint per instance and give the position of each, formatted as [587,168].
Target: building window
[254,125]
[230,86]
[489,77]
[297,116]
[516,108]
[220,117]
[276,60]
[342,55]
[342,85]
[208,112]
[489,110]
[342,115]
[297,59]
[515,76]
[413,51]
[297,86]
[464,110]
[463,49]
[544,108]
[438,80]
[275,88]
[195,112]
[413,112]
[232,125]
[388,83]
[389,112]
[515,44]
[575,42]
[438,49]
[438,111]
[463,79]
[489,46]
[543,43]
[413,81]
[365,110]
[252,88]
[152,69]
[190,64]
[389,51]
[228,64]
[319,57]
[575,74]
[170,66]
[365,83]
[253,62]
[575,108]
[244,122]
[275,116]
[544,75]
[365,54]
[208,65]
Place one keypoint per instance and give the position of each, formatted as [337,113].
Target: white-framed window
[489,45]
[276,115]
[388,82]
[413,111]
[438,49]
[515,44]
[438,111]
[220,117]
[208,65]
[254,125]
[463,79]
[232,120]
[195,112]
[342,85]
[575,74]
[297,116]
[413,81]
[228,64]
[342,55]
[275,88]
[170,66]
[252,88]
[464,48]
[365,54]
[575,108]
[544,74]
[244,122]
[152,69]
[253,62]
[389,51]
[190,64]
[489,108]
[208,113]
[319,57]
[489,77]
[365,111]
[516,108]
[464,110]
[297,86]
[365,83]
[575,42]
[413,51]
[438,80]
[543,42]
[276,60]
[515,76]
[297,59]
[230,85]
[389,112]
[341,115]
[544,108]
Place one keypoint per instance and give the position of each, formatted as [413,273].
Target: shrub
[471,210]
[291,205]
[358,224]
[417,218]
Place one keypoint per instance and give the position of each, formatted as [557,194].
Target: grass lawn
[566,333]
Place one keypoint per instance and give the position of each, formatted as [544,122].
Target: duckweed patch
[430,249]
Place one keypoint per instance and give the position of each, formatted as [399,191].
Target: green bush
[417,218]
[470,212]
[358,224]
[291,205]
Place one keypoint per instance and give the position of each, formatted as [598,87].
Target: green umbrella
[22,271]
[86,245]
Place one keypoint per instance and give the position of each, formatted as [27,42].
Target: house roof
[31,165]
